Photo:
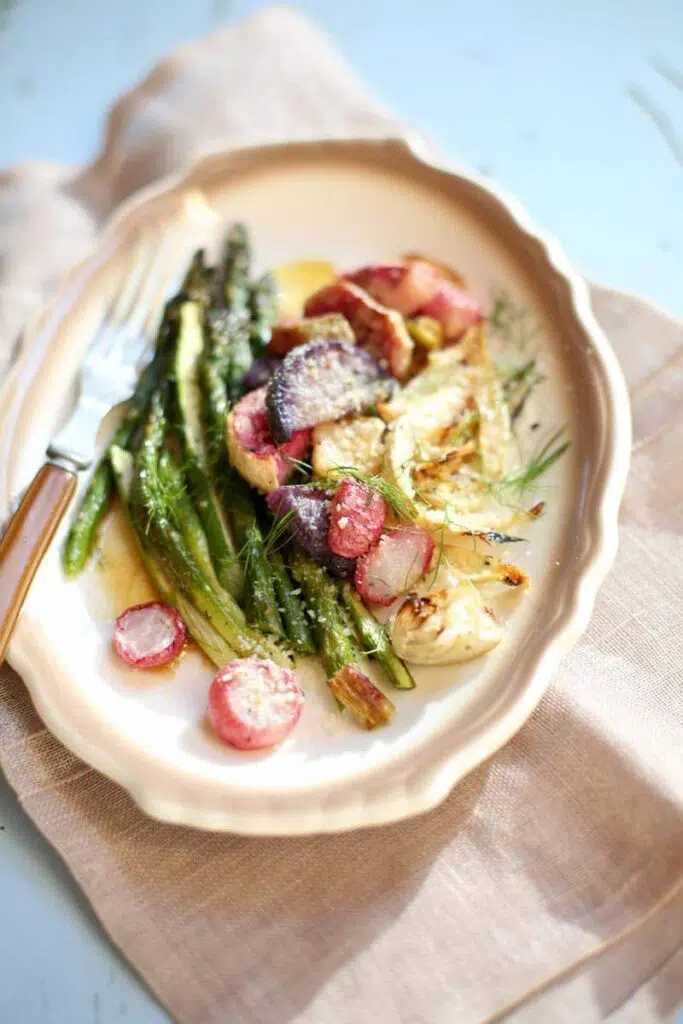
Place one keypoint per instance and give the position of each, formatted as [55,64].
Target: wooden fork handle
[26,540]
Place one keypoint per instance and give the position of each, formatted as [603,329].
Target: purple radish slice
[149,635]
[260,373]
[323,381]
[310,524]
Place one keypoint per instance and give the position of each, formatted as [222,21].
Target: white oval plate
[349,202]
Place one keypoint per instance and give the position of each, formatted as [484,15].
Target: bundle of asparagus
[205,537]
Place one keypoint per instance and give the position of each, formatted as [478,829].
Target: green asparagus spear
[190,409]
[233,491]
[260,602]
[237,498]
[291,608]
[263,301]
[260,598]
[172,479]
[351,687]
[268,597]
[215,410]
[199,283]
[153,375]
[375,640]
[261,592]
[234,275]
[99,492]
[211,642]
[228,324]
[229,348]
[241,359]
[92,510]
[153,517]
[335,641]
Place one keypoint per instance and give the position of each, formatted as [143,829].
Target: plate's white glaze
[348,202]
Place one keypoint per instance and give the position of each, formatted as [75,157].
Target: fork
[107,378]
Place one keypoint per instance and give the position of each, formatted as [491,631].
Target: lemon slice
[296,281]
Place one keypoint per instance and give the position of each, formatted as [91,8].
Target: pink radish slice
[149,635]
[251,447]
[377,328]
[356,519]
[254,703]
[393,565]
[454,308]
[404,286]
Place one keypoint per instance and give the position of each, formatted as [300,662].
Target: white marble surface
[548,98]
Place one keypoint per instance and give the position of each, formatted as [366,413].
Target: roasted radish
[149,635]
[294,331]
[405,286]
[441,268]
[323,381]
[454,308]
[308,514]
[393,565]
[252,450]
[254,703]
[356,519]
[378,329]
[419,288]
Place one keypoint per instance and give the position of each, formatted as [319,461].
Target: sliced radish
[356,519]
[254,703]
[393,565]
[149,635]
[308,514]
[322,381]
[378,329]
[454,308]
[441,268]
[252,450]
[405,286]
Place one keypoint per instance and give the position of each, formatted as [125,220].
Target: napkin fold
[549,885]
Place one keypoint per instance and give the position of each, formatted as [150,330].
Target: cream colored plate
[348,202]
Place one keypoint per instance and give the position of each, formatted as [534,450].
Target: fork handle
[26,540]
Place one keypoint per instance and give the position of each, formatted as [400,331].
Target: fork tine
[125,300]
[143,315]
[109,367]
[121,302]
[134,322]
[138,341]
[158,297]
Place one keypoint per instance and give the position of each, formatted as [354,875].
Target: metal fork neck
[71,465]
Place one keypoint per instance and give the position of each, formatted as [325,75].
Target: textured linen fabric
[548,886]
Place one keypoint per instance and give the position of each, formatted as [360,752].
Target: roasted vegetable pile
[281,475]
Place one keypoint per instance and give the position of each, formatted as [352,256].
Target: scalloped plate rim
[435,783]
